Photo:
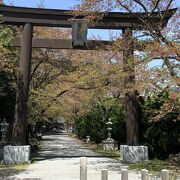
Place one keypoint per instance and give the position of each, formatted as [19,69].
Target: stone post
[165,174]
[104,174]
[144,174]
[83,168]
[124,174]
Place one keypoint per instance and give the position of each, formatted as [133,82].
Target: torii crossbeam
[61,18]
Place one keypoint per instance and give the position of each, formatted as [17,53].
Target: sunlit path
[59,159]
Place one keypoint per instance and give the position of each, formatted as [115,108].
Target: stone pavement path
[59,160]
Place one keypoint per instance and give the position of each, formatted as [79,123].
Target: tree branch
[53,100]
[155,6]
[35,69]
[125,7]
[141,4]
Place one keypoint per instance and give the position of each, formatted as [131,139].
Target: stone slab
[133,154]
[16,154]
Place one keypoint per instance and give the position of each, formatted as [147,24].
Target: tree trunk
[130,99]
[131,106]
[21,108]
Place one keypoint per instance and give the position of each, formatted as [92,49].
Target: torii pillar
[21,109]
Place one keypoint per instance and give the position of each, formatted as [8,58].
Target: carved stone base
[16,154]
[109,144]
[133,154]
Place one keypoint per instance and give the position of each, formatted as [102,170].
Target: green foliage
[8,63]
[119,124]
[93,123]
[6,36]
[7,97]
[162,138]
[159,129]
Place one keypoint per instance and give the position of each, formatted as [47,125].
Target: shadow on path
[60,145]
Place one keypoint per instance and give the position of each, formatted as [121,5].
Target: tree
[8,69]
[160,47]
[160,124]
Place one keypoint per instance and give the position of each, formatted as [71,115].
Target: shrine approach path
[59,160]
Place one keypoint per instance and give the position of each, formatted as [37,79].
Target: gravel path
[59,160]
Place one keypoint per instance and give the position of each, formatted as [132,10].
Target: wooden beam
[67,44]
[61,44]
[62,18]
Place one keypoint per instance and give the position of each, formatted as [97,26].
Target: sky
[55,4]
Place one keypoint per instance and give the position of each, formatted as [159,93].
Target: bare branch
[169,4]
[170,67]
[141,4]
[125,7]
[35,69]
[167,8]
[155,6]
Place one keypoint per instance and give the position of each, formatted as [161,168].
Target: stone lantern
[109,128]
[109,143]
[4,128]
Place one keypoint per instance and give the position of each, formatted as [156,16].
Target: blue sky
[56,4]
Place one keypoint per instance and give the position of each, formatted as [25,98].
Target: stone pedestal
[108,144]
[16,154]
[133,154]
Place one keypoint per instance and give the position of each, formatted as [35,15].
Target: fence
[124,172]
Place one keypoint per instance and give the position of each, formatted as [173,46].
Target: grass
[22,166]
[93,147]
[11,170]
[113,154]
[155,166]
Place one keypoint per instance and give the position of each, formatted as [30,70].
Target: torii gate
[29,17]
